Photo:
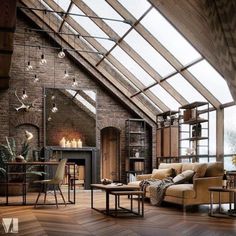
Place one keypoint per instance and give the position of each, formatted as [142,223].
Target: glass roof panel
[182,86]
[212,80]
[141,46]
[91,27]
[64,4]
[170,37]
[132,66]
[122,75]
[136,8]
[165,97]
[102,9]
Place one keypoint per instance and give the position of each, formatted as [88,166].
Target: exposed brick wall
[110,111]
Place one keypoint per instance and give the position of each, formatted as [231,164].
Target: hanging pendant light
[29,67]
[66,75]
[43,61]
[54,108]
[61,54]
[36,78]
[75,83]
[24,95]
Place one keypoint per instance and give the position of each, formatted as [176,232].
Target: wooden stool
[130,194]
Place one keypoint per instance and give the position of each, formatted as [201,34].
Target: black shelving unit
[136,146]
[194,131]
[167,136]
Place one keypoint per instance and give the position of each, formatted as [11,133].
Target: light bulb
[29,67]
[53,97]
[49,118]
[54,108]
[61,54]
[43,61]
[36,78]
[75,83]
[24,95]
[66,75]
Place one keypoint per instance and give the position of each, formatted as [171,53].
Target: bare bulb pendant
[29,67]
[61,54]
[66,75]
[43,61]
[54,108]
[24,95]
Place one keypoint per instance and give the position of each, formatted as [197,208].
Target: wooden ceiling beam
[130,51]
[92,61]
[7,28]
[110,58]
[165,53]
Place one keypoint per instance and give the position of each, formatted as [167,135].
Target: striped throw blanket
[157,189]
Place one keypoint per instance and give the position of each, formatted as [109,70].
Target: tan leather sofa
[195,193]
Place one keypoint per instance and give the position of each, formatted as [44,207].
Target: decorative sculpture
[24,106]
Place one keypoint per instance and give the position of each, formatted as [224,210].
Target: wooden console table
[23,172]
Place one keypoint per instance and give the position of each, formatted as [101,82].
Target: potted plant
[8,154]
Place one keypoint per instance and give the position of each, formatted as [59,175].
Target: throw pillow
[184,177]
[161,173]
[198,168]
[142,177]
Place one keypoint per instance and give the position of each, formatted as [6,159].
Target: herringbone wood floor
[79,219]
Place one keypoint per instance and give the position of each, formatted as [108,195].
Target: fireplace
[86,156]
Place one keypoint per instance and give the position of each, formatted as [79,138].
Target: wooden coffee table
[108,189]
[219,190]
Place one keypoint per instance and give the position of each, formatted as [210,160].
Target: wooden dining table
[23,166]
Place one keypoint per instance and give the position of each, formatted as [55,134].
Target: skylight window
[182,86]
[102,9]
[91,27]
[141,46]
[64,4]
[170,37]
[165,97]
[132,66]
[136,8]
[212,80]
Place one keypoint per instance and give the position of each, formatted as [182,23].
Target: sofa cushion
[198,168]
[214,169]
[176,166]
[161,173]
[142,177]
[184,177]
[181,191]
